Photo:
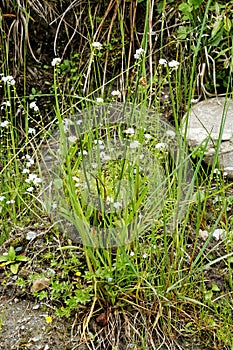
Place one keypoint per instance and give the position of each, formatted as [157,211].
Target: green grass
[156,282]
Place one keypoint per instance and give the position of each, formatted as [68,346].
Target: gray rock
[208,122]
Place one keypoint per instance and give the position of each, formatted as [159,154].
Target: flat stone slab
[209,121]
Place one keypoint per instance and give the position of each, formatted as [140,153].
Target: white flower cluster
[3,198]
[171,64]
[97,45]
[116,93]
[56,61]
[8,79]
[139,53]
[33,178]
[5,105]
[4,124]
[34,106]
[29,162]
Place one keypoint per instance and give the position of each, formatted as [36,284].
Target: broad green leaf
[11,254]
[3,258]
[215,288]
[14,268]
[21,258]
[182,32]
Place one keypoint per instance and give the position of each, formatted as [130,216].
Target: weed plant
[155,287]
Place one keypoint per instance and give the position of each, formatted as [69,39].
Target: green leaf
[217,27]
[3,258]
[33,91]
[14,268]
[11,254]
[227,24]
[22,258]
[182,32]
[208,295]
[215,288]
[186,9]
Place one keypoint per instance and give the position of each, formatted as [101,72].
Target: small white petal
[56,61]
[72,138]
[130,131]
[115,93]
[139,53]
[4,124]
[161,145]
[134,144]
[163,62]
[30,189]
[117,205]
[173,64]
[97,45]
[99,100]
[31,130]
[147,136]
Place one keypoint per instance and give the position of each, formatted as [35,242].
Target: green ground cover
[167,283]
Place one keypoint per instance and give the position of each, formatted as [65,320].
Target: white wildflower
[2,198]
[217,171]
[161,145]
[34,179]
[134,144]
[29,163]
[131,253]
[26,171]
[11,201]
[99,100]
[84,152]
[30,189]
[5,104]
[98,142]
[75,178]
[34,106]
[78,122]
[97,45]
[144,256]
[130,131]
[31,130]
[56,61]
[8,79]
[109,279]
[173,64]
[163,62]
[117,205]
[109,199]
[219,233]
[139,53]
[116,93]
[147,136]
[72,138]
[4,124]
